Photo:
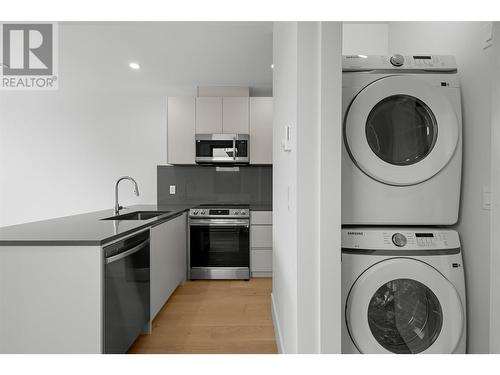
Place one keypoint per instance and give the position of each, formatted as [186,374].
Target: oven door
[219,248]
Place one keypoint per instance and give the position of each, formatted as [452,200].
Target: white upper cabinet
[214,115]
[180,130]
[208,115]
[261,130]
[235,115]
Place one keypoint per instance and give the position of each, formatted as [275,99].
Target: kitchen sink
[137,215]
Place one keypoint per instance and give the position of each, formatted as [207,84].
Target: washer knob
[195,212]
[397,60]
[399,240]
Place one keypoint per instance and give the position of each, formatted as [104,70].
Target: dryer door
[400,130]
[403,305]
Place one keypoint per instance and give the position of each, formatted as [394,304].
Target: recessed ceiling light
[272,66]
[134,65]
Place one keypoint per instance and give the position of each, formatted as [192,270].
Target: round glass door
[405,316]
[401,130]
[403,305]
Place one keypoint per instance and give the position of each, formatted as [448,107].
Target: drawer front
[262,260]
[261,217]
[261,236]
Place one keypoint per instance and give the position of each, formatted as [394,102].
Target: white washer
[403,291]
[402,149]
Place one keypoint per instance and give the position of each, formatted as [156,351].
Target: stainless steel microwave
[222,148]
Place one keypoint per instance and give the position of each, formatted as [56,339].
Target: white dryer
[403,291]
[402,149]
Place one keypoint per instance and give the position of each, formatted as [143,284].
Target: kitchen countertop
[84,229]
[88,229]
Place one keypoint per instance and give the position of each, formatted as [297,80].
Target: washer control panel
[434,63]
[402,238]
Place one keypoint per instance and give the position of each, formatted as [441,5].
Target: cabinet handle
[234,148]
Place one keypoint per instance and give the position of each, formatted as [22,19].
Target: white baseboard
[276,324]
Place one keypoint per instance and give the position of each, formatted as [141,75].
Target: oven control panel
[207,212]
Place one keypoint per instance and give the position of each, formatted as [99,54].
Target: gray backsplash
[204,184]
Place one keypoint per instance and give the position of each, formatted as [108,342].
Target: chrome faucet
[136,191]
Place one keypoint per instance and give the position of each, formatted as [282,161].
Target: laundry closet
[458,55]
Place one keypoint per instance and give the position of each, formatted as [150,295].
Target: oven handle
[128,252]
[219,223]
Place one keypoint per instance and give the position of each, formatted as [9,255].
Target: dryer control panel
[397,62]
[399,238]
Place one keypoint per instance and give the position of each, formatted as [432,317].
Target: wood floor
[213,316]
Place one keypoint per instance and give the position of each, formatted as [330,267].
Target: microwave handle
[234,148]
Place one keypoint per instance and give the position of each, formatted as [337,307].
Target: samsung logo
[355,233]
[356,57]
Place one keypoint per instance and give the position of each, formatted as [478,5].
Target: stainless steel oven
[219,242]
[222,148]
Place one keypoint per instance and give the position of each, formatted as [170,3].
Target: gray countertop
[88,229]
[85,229]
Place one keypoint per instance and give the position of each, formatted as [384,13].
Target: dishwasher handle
[128,252]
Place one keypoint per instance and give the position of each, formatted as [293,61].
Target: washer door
[400,130]
[403,305]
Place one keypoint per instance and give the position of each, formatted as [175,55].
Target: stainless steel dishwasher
[127,293]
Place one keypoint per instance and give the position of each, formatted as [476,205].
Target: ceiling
[175,56]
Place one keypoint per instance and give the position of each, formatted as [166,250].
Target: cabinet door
[262,261]
[235,115]
[180,130]
[208,115]
[261,236]
[168,260]
[261,130]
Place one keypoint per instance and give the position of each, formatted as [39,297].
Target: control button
[397,60]
[399,240]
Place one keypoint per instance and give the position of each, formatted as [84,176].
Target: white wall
[365,38]
[330,217]
[306,196]
[495,195]
[284,294]
[61,152]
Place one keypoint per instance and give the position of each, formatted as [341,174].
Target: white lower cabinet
[168,260]
[261,243]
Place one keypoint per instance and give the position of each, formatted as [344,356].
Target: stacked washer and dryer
[403,286]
